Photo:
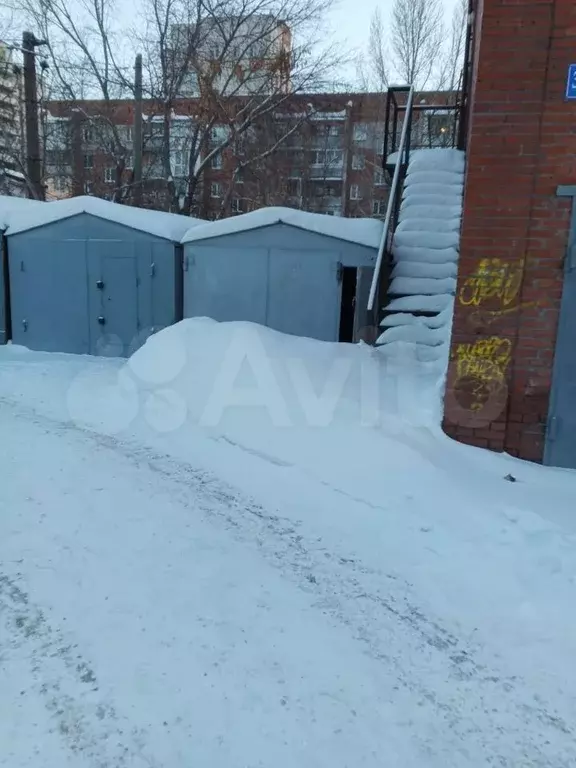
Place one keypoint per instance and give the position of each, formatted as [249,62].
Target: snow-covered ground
[244,549]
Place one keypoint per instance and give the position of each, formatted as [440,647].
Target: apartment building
[11,123]
[239,55]
[316,152]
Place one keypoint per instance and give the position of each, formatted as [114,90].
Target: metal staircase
[414,279]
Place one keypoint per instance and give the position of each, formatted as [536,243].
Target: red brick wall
[515,229]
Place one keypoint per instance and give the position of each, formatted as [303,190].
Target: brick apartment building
[512,376]
[325,154]
[11,123]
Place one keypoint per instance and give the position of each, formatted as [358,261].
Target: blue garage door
[226,286]
[561,435]
[304,293]
[48,294]
[113,292]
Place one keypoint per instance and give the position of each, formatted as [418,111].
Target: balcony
[327,172]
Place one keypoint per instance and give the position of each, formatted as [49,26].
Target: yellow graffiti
[483,365]
[484,317]
[494,279]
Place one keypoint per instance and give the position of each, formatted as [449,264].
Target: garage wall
[277,276]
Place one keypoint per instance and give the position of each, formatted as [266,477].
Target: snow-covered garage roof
[366,232]
[12,207]
[169,226]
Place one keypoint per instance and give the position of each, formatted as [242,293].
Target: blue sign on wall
[571,83]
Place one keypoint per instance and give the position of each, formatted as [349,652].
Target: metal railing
[393,203]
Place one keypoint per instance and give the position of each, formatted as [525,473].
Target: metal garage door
[304,293]
[560,448]
[113,295]
[48,293]
[226,285]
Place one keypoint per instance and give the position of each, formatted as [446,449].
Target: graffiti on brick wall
[481,369]
[495,280]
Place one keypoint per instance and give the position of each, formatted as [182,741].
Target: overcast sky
[351,19]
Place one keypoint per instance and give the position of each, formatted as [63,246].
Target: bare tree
[417,36]
[82,52]
[242,60]
[452,59]
[374,68]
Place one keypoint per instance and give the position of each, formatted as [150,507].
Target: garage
[300,273]
[88,276]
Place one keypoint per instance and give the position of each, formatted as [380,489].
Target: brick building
[11,123]
[317,152]
[512,376]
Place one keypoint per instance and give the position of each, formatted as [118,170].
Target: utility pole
[138,130]
[33,159]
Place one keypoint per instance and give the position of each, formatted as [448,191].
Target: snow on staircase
[418,316]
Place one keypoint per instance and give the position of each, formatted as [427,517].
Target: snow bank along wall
[280,275]
[86,285]
[512,374]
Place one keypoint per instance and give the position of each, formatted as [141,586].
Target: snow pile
[425,250]
[220,374]
[366,232]
[13,207]
[169,226]
[269,564]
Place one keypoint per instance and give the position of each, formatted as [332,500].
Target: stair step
[429,320]
[420,303]
[427,240]
[444,178]
[429,209]
[439,192]
[424,269]
[432,256]
[417,224]
[426,286]
[417,334]
[438,159]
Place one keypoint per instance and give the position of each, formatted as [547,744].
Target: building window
[216,189]
[236,205]
[327,157]
[129,162]
[355,192]
[88,187]
[88,162]
[189,85]
[219,134]
[179,163]
[88,134]
[379,179]
[216,162]
[379,207]
[109,175]
[360,133]
[438,129]
[60,184]
[293,188]
[126,133]
[358,162]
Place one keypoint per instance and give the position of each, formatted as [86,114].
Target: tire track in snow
[87,723]
[387,621]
